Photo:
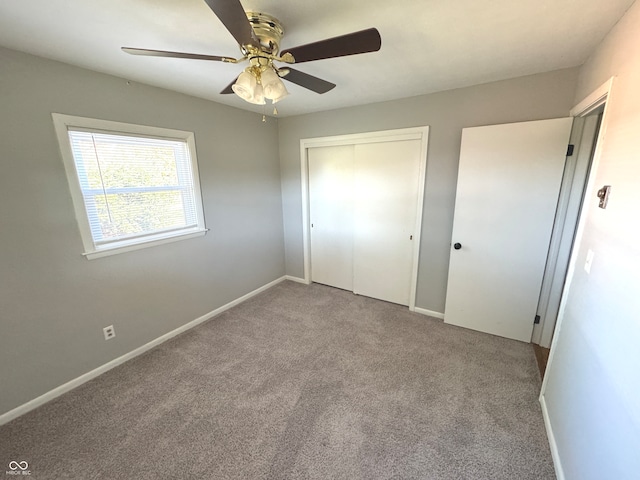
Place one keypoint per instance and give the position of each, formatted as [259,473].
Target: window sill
[114,250]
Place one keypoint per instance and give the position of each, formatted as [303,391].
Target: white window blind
[135,188]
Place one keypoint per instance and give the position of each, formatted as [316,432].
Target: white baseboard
[76,382]
[430,313]
[555,455]
[296,279]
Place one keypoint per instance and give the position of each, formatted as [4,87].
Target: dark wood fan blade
[228,88]
[232,15]
[308,81]
[350,44]
[164,53]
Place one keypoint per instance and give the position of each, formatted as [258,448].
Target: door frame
[588,105]
[413,133]
[601,96]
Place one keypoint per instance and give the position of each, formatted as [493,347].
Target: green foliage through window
[133,186]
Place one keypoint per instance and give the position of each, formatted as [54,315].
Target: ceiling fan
[259,36]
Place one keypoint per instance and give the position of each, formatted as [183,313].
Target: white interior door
[331,215]
[508,183]
[386,202]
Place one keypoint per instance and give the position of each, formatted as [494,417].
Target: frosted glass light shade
[248,89]
[258,95]
[273,87]
[244,86]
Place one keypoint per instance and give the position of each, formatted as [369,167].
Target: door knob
[457,246]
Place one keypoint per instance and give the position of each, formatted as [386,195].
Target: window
[132,186]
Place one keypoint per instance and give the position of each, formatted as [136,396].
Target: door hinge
[536,320]
[569,150]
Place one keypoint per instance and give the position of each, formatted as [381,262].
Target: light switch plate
[588,261]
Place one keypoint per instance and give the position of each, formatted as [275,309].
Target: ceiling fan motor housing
[269,31]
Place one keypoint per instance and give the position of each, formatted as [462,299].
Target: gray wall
[593,379]
[533,97]
[54,302]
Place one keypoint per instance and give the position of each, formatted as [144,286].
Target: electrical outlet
[109,332]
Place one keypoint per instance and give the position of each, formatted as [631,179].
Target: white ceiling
[427,45]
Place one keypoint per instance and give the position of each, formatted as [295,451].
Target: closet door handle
[457,246]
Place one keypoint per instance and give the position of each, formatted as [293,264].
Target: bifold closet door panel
[385,208]
[331,180]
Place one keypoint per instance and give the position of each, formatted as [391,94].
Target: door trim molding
[543,332]
[600,96]
[429,313]
[414,133]
[593,100]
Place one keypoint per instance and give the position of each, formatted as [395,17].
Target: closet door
[385,207]
[331,215]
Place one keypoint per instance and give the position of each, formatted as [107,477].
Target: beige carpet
[300,382]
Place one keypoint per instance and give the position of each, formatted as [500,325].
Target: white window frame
[62,123]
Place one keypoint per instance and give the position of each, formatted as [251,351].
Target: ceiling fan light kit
[273,87]
[258,36]
[259,82]
[248,88]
